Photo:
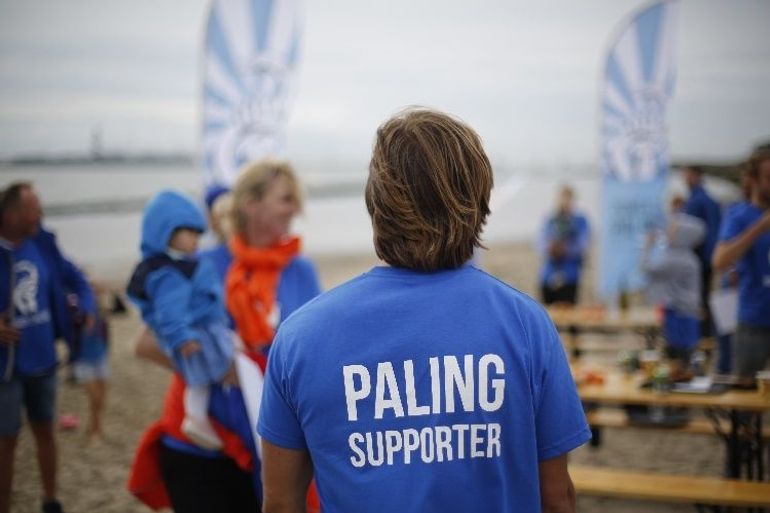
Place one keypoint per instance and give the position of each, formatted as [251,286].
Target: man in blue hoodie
[34,281]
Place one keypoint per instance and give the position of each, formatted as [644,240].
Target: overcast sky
[524,74]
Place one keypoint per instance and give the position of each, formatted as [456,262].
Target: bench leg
[596,437]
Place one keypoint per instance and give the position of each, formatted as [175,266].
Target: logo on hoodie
[25,295]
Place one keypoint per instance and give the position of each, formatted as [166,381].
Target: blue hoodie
[181,299]
[36,355]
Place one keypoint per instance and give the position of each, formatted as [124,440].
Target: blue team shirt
[35,351]
[753,269]
[422,391]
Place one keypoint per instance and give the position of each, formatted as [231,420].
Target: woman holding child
[264,279]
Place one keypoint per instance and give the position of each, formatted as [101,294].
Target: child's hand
[230,378]
[189,348]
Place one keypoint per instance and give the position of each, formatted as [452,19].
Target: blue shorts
[36,393]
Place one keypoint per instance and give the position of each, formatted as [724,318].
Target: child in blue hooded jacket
[180,298]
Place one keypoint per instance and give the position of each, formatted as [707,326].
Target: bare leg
[7,450]
[46,457]
[96,391]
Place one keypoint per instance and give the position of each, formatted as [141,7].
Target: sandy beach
[93,476]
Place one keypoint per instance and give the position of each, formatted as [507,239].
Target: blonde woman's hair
[428,190]
[252,183]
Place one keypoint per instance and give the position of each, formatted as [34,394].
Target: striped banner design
[249,60]
[639,77]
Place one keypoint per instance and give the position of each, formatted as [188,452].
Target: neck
[258,240]
[11,239]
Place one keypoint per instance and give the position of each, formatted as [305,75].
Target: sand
[92,476]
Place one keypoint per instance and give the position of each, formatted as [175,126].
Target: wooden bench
[614,418]
[712,491]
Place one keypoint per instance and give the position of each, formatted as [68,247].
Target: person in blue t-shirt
[562,244]
[424,384]
[34,281]
[744,241]
[701,205]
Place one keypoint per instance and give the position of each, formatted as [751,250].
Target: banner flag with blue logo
[249,60]
[639,78]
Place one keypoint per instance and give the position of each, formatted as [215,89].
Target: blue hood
[164,213]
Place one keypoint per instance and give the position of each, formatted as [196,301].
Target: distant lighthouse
[97,148]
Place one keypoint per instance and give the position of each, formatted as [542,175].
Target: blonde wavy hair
[252,183]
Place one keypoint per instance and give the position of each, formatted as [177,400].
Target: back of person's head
[254,181]
[686,231]
[428,190]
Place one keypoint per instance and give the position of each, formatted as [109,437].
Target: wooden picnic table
[744,408]
[574,320]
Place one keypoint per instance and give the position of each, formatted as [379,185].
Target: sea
[95,207]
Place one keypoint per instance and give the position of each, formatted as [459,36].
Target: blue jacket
[64,278]
[179,296]
[702,206]
[174,294]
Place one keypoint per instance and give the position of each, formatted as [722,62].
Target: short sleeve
[732,225]
[560,421]
[278,420]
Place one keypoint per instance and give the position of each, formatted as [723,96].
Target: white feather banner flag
[248,65]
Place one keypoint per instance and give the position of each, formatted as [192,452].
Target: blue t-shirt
[35,351]
[93,342]
[432,391]
[753,269]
